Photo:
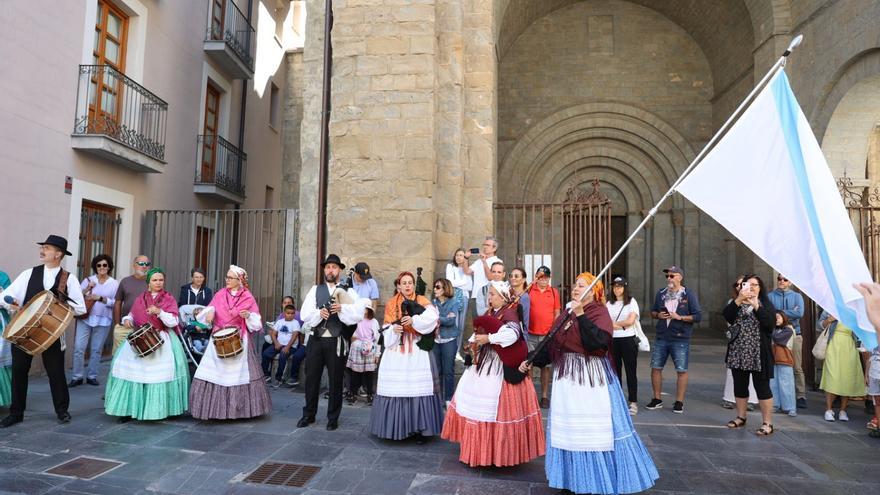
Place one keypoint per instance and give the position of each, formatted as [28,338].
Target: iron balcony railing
[221,164]
[227,23]
[110,104]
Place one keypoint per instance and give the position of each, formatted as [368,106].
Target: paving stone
[151,463]
[307,453]
[141,433]
[357,458]
[427,484]
[195,440]
[733,484]
[196,480]
[254,444]
[29,483]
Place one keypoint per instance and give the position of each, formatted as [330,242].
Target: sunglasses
[438,287]
[671,275]
[143,263]
[781,279]
[102,265]
[232,278]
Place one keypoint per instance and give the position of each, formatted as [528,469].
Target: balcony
[120,120]
[230,40]
[221,169]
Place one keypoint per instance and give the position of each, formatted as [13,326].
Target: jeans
[678,349]
[459,323]
[296,355]
[98,335]
[797,350]
[782,386]
[444,354]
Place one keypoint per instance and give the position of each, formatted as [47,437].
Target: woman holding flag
[592,446]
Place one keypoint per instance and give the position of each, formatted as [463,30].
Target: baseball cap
[544,270]
[673,269]
[619,281]
[363,270]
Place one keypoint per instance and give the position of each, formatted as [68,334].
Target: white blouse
[620,312]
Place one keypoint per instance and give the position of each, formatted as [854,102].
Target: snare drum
[39,323]
[227,342]
[145,340]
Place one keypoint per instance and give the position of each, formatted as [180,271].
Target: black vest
[35,284]
[333,324]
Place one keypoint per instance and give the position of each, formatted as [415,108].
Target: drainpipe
[323,159]
[241,122]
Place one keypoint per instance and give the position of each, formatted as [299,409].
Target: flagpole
[780,63]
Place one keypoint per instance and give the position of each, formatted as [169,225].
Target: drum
[39,323]
[227,342]
[145,340]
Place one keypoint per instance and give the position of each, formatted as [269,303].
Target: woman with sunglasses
[99,291]
[445,346]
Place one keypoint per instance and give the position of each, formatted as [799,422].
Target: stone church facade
[442,109]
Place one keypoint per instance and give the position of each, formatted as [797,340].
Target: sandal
[873,425]
[766,429]
[737,422]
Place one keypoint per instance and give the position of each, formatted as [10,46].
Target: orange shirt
[543,306]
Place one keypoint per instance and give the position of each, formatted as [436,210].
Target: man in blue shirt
[676,309]
[791,302]
[364,284]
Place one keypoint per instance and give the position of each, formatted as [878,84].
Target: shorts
[533,341]
[873,386]
[679,349]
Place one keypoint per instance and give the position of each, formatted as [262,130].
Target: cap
[673,269]
[619,281]
[363,270]
[544,270]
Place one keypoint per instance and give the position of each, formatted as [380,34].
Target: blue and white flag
[767,182]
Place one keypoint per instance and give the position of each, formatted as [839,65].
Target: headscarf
[503,289]
[228,306]
[242,275]
[163,300]
[153,271]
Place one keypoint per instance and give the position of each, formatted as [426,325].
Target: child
[872,377]
[285,336]
[782,383]
[363,355]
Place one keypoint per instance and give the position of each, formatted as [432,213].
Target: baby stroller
[196,336]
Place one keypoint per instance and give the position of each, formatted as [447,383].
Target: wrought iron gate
[569,237]
[263,242]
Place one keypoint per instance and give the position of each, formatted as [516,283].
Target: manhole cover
[84,467]
[282,474]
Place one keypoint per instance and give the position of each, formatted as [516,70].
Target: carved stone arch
[860,67]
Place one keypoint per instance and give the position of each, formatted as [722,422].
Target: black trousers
[364,378]
[53,361]
[759,380]
[626,352]
[321,353]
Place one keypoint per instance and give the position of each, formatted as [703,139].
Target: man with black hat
[364,284]
[65,286]
[331,314]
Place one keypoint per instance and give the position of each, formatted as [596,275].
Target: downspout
[241,122]
[323,159]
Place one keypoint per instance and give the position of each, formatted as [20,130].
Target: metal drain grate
[282,474]
[84,467]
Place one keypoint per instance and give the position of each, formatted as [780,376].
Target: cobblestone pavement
[693,451]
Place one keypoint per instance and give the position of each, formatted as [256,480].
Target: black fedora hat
[335,260]
[57,241]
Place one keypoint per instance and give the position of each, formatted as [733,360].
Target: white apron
[226,372]
[157,367]
[405,374]
[580,414]
[477,395]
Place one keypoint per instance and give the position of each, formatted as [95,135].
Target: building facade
[442,110]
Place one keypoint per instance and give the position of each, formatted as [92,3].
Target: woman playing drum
[5,351]
[154,386]
[231,387]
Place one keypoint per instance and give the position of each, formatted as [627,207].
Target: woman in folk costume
[232,387]
[157,385]
[592,446]
[407,401]
[494,414]
[5,350]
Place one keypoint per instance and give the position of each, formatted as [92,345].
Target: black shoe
[305,421]
[545,403]
[369,399]
[802,403]
[10,420]
[332,425]
[678,407]
[869,408]
[92,381]
[654,404]
[75,382]
[420,439]
[123,419]
[64,417]
[351,399]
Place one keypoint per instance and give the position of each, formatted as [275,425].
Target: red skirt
[517,435]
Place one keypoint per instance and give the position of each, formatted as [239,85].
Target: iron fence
[228,23]
[222,164]
[110,104]
[263,242]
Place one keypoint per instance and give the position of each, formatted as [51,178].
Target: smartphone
[475,250]
[746,288]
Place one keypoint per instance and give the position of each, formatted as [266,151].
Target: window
[218,13]
[204,237]
[111,32]
[274,106]
[97,235]
[209,142]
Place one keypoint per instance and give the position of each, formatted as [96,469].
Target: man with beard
[65,286]
[331,314]
[129,289]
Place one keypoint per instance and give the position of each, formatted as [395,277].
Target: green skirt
[5,385]
[150,401]
[842,372]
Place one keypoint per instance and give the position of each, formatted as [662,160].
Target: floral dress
[744,352]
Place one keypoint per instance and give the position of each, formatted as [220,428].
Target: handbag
[644,345]
[821,344]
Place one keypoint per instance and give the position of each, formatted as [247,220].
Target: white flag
[767,182]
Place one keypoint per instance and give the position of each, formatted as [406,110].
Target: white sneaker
[633,408]
[843,416]
[829,415]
